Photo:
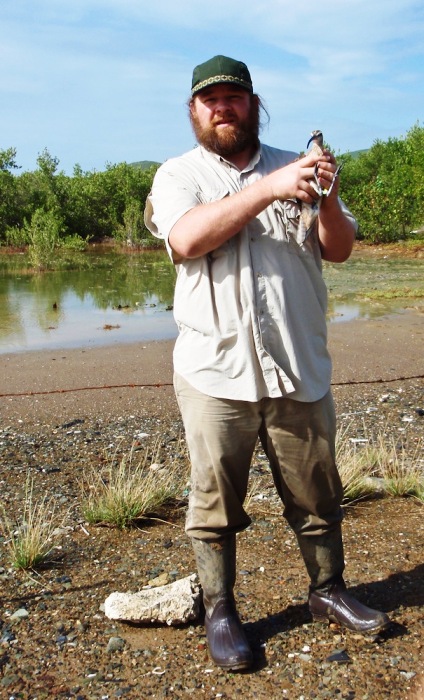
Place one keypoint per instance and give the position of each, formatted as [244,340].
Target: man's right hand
[293,181]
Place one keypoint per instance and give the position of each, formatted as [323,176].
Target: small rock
[7,636]
[160,580]
[155,467]
[408,676]
[340,657]
[8,680]
[115,644]
[20,614]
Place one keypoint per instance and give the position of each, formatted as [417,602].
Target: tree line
[383,187]
[47,207]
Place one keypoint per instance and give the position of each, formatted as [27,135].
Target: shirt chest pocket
[287,213]
[212,194]
[216,194]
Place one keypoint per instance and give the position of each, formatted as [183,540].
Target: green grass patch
[131,488]
[394,293]
[380,465]
[32,535]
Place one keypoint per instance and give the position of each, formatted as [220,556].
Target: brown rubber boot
[329,600]
[216,564]
[334,604]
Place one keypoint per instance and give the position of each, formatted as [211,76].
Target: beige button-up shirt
[251,314]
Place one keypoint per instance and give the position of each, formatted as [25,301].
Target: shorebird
[310,212]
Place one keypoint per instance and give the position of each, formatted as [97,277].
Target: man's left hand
[326,171]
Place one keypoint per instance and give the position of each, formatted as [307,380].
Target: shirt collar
[251,165]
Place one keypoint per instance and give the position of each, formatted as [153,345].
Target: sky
[99,82]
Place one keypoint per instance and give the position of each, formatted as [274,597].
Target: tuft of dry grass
[380,465]
[401,469]
[31,537]
[254,488]
[355,469]
[128,490]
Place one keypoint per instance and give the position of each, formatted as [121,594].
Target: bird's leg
[315,182]
[336,174]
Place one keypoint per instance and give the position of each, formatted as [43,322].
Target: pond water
[117,298]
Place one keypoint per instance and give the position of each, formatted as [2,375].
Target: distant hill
[144,164]
[356,154]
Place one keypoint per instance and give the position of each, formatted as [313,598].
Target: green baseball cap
[221,69]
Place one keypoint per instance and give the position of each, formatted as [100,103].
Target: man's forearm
[208,226]
[336,232]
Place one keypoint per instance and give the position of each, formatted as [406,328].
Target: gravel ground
[55,641]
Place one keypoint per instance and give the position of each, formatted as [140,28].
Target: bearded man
[251,356]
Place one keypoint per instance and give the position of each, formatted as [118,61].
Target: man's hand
[294,181]
[326,171]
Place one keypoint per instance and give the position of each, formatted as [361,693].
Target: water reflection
[339,312]
[115,298]
[118,298]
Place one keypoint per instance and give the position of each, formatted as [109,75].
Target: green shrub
[16,236]
[74,243]
[43,235]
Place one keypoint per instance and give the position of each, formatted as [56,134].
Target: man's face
[225,119]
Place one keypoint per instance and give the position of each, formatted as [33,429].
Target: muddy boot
[329,600]
[216,564]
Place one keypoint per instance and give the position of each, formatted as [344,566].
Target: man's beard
[232,139]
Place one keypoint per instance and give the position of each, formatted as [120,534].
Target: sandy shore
[379,350]
[66,412]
